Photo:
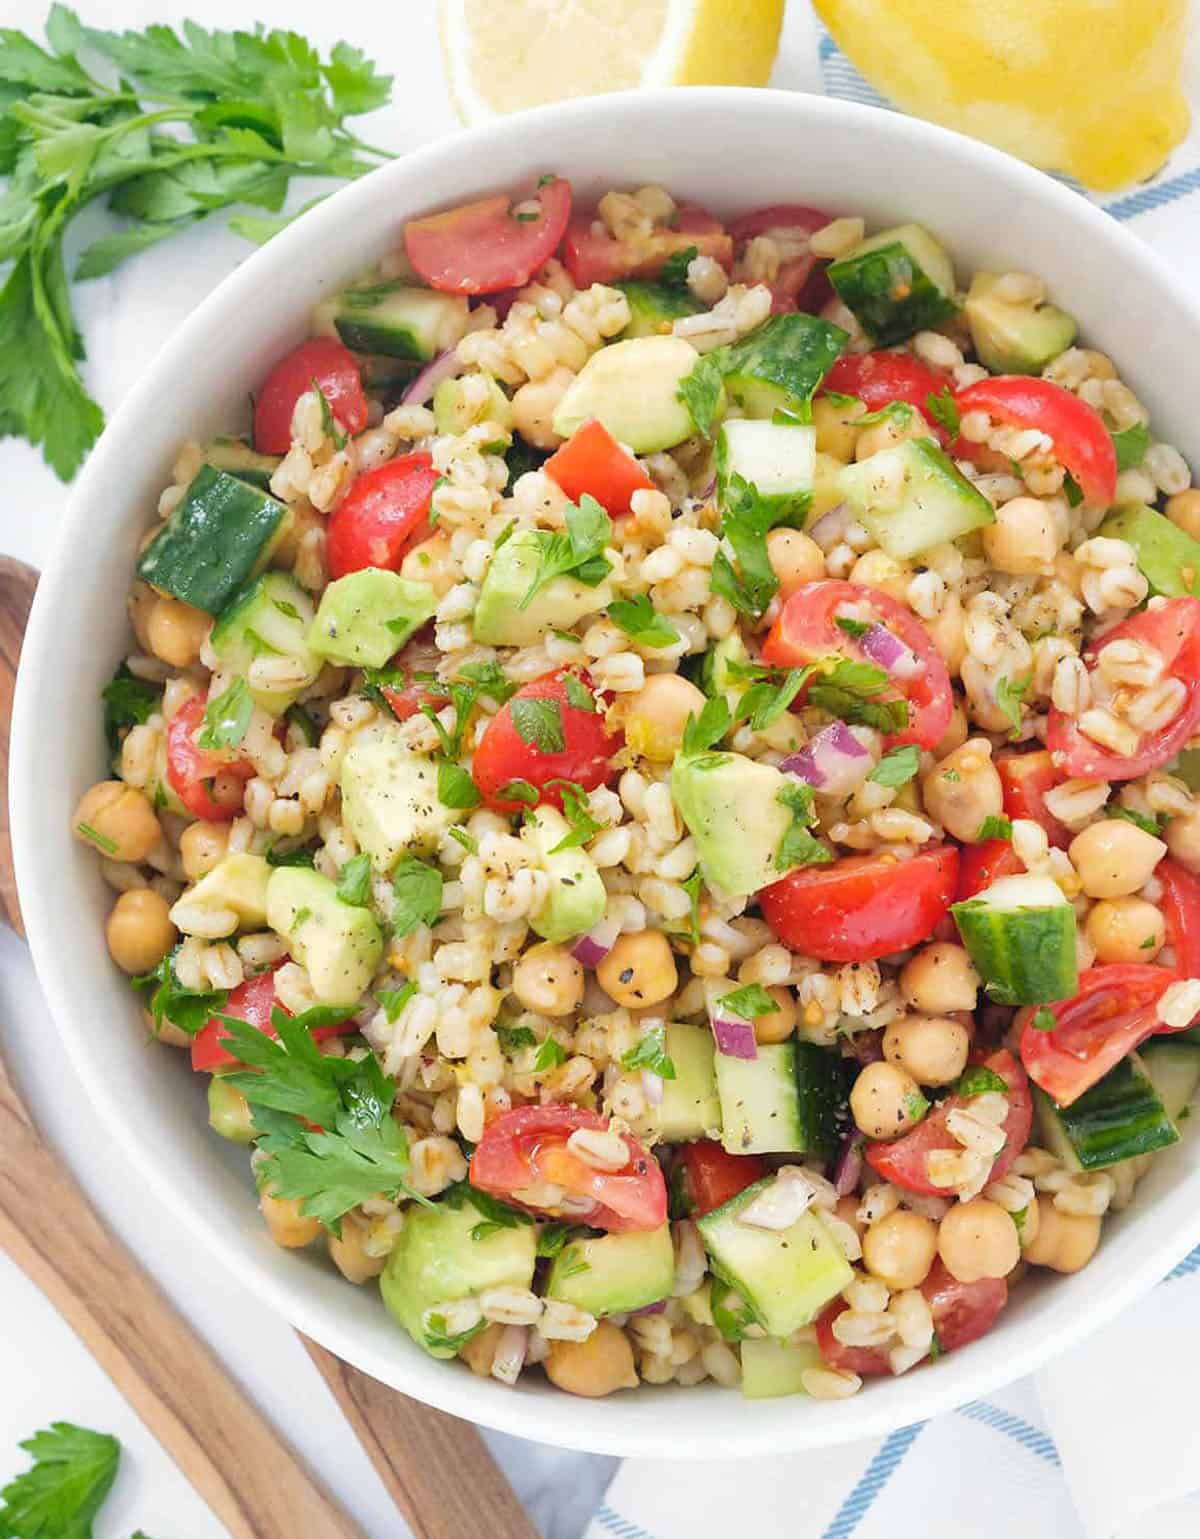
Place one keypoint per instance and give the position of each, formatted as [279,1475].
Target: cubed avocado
[1168,556]
[577,896]
[339,944]
[614,1273]
[774,1368]
[689,1107]
[1014,338]
[389,798]
[367,616]
[499,621]
[229,1113]
[633,388]
[455,408]
[238,882]
[731,807]
[437,1259]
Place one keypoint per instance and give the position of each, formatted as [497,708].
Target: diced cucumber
[689,1108]
[270,618]
[731,1314]
[913,497]
[777,458]
[1174,1070]
[239,459]
[760,1101]
[455,408]
[1020,934]
[1121,1117]
[787,1276]
[229,1113]
[778,367]
[397,319]
[653,306]
[219,536]
[1168,556]
[897,283]
[774,1368]
[614,1273]
[823,1087]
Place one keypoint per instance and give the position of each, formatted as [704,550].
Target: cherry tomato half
[1025,778]
[478,248]
[979,865]
[962,1312]
[208,785]
[1081,441]
[807,631]
[583,747]
[592,257]
[905,1160]
[385,511]
[1174,632]
[1180,904]
[862,906]
[418,656]
[712,1175]
[800,283]
[320,360]
[878,379]
[1111,1014]
[592,461]
[526,1148]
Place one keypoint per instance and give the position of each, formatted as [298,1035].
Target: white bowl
[732,150]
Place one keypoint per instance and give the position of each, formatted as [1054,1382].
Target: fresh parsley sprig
[746,520]
[641,622]
[171,1004]
[577,552]
[59,1496]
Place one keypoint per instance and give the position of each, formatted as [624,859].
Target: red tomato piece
[478,248]
[598,257]
[385,512]
[526,1148]
[979,865]
[962,1312]
[320,360]
[712,1175]
[1081,441]
[862,906]
[1180,904]
[592,461]
[905,1160]
[207,784]
[1026,777]
[800,283]
[865,1361]
[1111,1014]
[1174,632]
[418,655]
[807,631]
[585,757]
[878,379]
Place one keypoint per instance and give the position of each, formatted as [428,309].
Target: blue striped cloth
[1102,1444]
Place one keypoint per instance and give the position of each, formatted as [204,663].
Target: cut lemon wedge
[523,53]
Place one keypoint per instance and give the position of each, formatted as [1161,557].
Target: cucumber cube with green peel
[898,282]
[1020,935]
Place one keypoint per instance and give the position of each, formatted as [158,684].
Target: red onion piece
[651,1309]
[831,525]
[882,647]
[848,1165]
[652,1087]
[834,762]
[592,948]
[734,1037]
[444,366]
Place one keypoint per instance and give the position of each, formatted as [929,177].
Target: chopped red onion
[652,1087]
[650,1309]
[834,762]
[830,527]
[848,1166]
[882,647]
[592,948]
[734,1037]
[444,366]
[510,1354]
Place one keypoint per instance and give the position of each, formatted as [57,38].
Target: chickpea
[480,1352]
[894,429]
[834,422]
[932,1048]
[1114,858]
[955,735]
[201,847]
[948,632]
[548,979]
[639,971]
[777,1025]
[885,1101]
[1183,839]
[978,1239]
[964,789]
[432,561]
[288,1226]
[350,1256]
[1069,572]
[1125,930]
[534,405]
[1065,1242]
[595,1367]
[899,1249]
[940,979]
[1024,539]
[139,930]
[118,821]
[879,570]
[795,559]
[176,632]
[657,714]
[1184,511]
[142,599]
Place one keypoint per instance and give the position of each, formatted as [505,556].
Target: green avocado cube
[339,944]
[499,619]
[614,1273]
[366,617]
[731,808]
[632,388]
[1169,557]
[577,896]
[238,882]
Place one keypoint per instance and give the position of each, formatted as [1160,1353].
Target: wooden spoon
[437,1468]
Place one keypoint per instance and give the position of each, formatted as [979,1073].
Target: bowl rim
[547,1416]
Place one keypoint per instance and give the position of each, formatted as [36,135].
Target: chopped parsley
[394,1000]
[300,857]
[748,1002]
[978,1080]
[1009,695]
[455,787]
[519,791]
[852,627]
[651,1053]
[189,1009]
[539,723]
[552,1237]
[993,827]
[418,895]
[641,622]
[434,1330]
[746,520]
[94,836]
[128,702]
[707,729]
[897,767]
[1147,824]
[550,1054]
[571,1264]
[489,678]
[495,1215]
[1072,490]
[227,717]
[943,409]
[578,694]
[799,847]
[765,702]
[673,273]
[693,887]
[1130,445]
[578,552]
[701,392]
[354,881]
[461,836]
[583,826]
[296,716]
[512,1038]
[329,423]
[899,412]
[850,690]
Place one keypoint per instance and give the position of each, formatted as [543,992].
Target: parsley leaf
[455,787]
[1148,825]
[490,680]
[640,621]
[673,273]
[848,689]
[579,696]
[899,412]
[943,409]
[748,1002]
[897,767]
[692,887]
[578,815]
[799,847]
[354,881]
[851,626]
[418,900]
[1043,1019]
[329,423]
[552,1237]
[300,857]
[461,836]
[1131,445]
[227,717]
[701,392]
[128,702]
[433,1328]
[102,842]
[746,520]
[394,1000]
[189,1009]
[978,1079]
[519,791]
[1009,695]
[550,1054]
[650,1052]
[579,552]
[571,1264]
[73,1469]
[707,729]
[766,701]
[994,827]
[1072,490]
[511,1038]
[540,723]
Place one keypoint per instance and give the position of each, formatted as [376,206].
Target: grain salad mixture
[657,781]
